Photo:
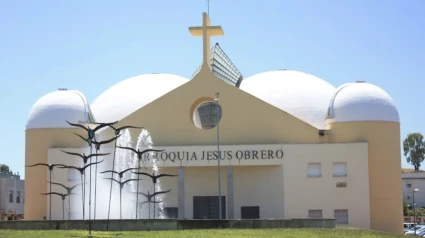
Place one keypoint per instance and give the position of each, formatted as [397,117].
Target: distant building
[413,180]
[12,197]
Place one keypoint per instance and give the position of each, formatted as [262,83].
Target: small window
[340,169]
[341,216]
[315,214]
[18,197]
[250,212]
[11,196]
[314,170]
[171,212]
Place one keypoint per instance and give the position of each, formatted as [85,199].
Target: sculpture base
[166,224]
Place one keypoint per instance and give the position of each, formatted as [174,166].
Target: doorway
[206,207]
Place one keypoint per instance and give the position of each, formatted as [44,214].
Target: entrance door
[206,207]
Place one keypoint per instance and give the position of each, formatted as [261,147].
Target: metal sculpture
[97,146]
[63,201]
[91,132]
[119,129]
[84,156]
[82,172]
[154,181]
[122,183]
[51,167]
[141,203]
[140,157]
[149,199]
[120,174]
[69,192]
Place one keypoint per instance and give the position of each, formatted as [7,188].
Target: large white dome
[361,101]
[53,109]
[299,94]
[129,95]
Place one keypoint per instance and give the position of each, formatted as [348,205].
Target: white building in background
[413,180]
[12,200]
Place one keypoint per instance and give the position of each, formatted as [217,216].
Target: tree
[5,169]
[414,149]
[405,208]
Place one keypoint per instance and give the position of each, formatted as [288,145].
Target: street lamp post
[218,155]
[414,208]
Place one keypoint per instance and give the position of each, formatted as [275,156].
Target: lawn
[236,233]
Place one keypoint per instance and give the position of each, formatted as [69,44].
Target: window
[315,214]
[341,216]
[314,170]
[250,212]
[18,197]
[171,212]
[11,196]
[340,169]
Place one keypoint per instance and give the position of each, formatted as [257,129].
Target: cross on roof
[206,31]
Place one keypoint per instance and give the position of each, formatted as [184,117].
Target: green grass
[234,233]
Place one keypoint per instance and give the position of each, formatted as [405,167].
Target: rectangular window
[340,169]
[341,216]
[171,212]
[250,212]
[314,170]
[315,214]
[11,196]
[18,197]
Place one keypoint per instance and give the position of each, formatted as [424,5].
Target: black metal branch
[149,199]
[68,192]
[91,132]
[63,201]
[120,174]
[84,156]
[98,143]
[82,172]
[155,177]
[51,167]
[119,129]
[121,183]
[139,156]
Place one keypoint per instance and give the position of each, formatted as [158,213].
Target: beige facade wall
[384,169]
[280,187]
[303,193]
[37,143]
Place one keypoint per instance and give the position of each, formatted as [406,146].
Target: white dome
[299,94]
[362,101]
[53,109]
[129,95]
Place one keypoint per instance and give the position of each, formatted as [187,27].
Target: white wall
[416,181]
[16,185]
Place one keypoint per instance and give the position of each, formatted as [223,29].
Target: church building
[290,145]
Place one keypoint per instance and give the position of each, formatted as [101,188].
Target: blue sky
[91,45]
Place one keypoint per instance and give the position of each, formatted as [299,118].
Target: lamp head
[416,190]
[217,95]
